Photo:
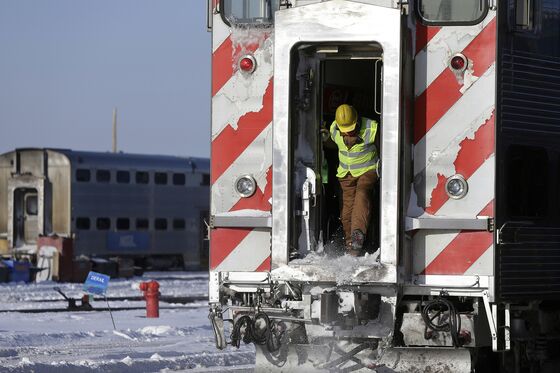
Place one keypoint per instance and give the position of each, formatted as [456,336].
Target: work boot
[357,243]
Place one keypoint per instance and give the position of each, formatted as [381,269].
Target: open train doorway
[26,216]
[324,76]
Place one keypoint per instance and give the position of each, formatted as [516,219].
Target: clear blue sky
[64,65]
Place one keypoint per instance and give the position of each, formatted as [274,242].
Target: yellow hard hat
[346,118]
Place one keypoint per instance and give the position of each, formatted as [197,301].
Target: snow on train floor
[40,339]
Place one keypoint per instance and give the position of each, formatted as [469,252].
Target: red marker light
[458,62]
[247,63]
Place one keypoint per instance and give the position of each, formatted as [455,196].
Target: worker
[357,173]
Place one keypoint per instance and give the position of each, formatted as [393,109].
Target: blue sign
[128,241]
[96,283]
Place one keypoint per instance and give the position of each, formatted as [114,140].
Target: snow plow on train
[462,269]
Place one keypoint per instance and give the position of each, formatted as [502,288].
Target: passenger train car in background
[147,207]
[463,270]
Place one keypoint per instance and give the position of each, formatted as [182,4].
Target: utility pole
[114,130]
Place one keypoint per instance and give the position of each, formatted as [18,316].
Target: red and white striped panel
[454,134]
[241,144]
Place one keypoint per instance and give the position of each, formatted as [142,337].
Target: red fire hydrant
[151,294]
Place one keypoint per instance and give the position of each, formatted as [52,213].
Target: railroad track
[166,302]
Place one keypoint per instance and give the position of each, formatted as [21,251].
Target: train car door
[319,48]
[26,216]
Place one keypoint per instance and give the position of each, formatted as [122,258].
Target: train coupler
[258,329]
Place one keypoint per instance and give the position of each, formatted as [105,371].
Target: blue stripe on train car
[124,241]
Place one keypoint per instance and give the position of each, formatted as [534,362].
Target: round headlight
[246,185]
[456,187]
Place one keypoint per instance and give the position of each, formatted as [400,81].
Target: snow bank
[181,339]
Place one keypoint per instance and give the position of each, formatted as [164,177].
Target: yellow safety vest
[360,158]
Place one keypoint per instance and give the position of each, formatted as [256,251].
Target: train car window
[142,177]
[31,205]
[123,177]
[142,224]
[103,176]
[248,12]
[83,175]
[178,179]
[205,179]
[123,224]
[160,178]
[527,182]
[103,224]
[83,224]
[451,12]
[160,224]
[179,224]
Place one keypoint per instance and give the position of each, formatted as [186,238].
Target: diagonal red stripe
[463,251]
[472,154]
[265,266]
[475,151]
[222,67]
[230,143]
[424,34]
[488,210]
[434,102]
[444,92]
[223,241]
[259,200]
[438,196]
[224,60]
[482,50]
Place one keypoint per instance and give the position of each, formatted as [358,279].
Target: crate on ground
[4,272]
[125,267]
[107,267]
[61,265]
[80,269]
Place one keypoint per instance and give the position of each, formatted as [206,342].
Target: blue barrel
[19,271]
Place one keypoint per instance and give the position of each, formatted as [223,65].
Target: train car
[463,268]
[148,207]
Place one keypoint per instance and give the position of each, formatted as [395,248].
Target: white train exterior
[109,204]
[467,271]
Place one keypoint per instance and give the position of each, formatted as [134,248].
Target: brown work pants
[356,202]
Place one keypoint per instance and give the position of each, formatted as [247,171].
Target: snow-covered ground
[180,339]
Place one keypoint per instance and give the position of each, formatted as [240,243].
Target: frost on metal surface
[245,212]
[239,111]
[435,57]
[243,93]
[384,3]
[466,78]
[436,153]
